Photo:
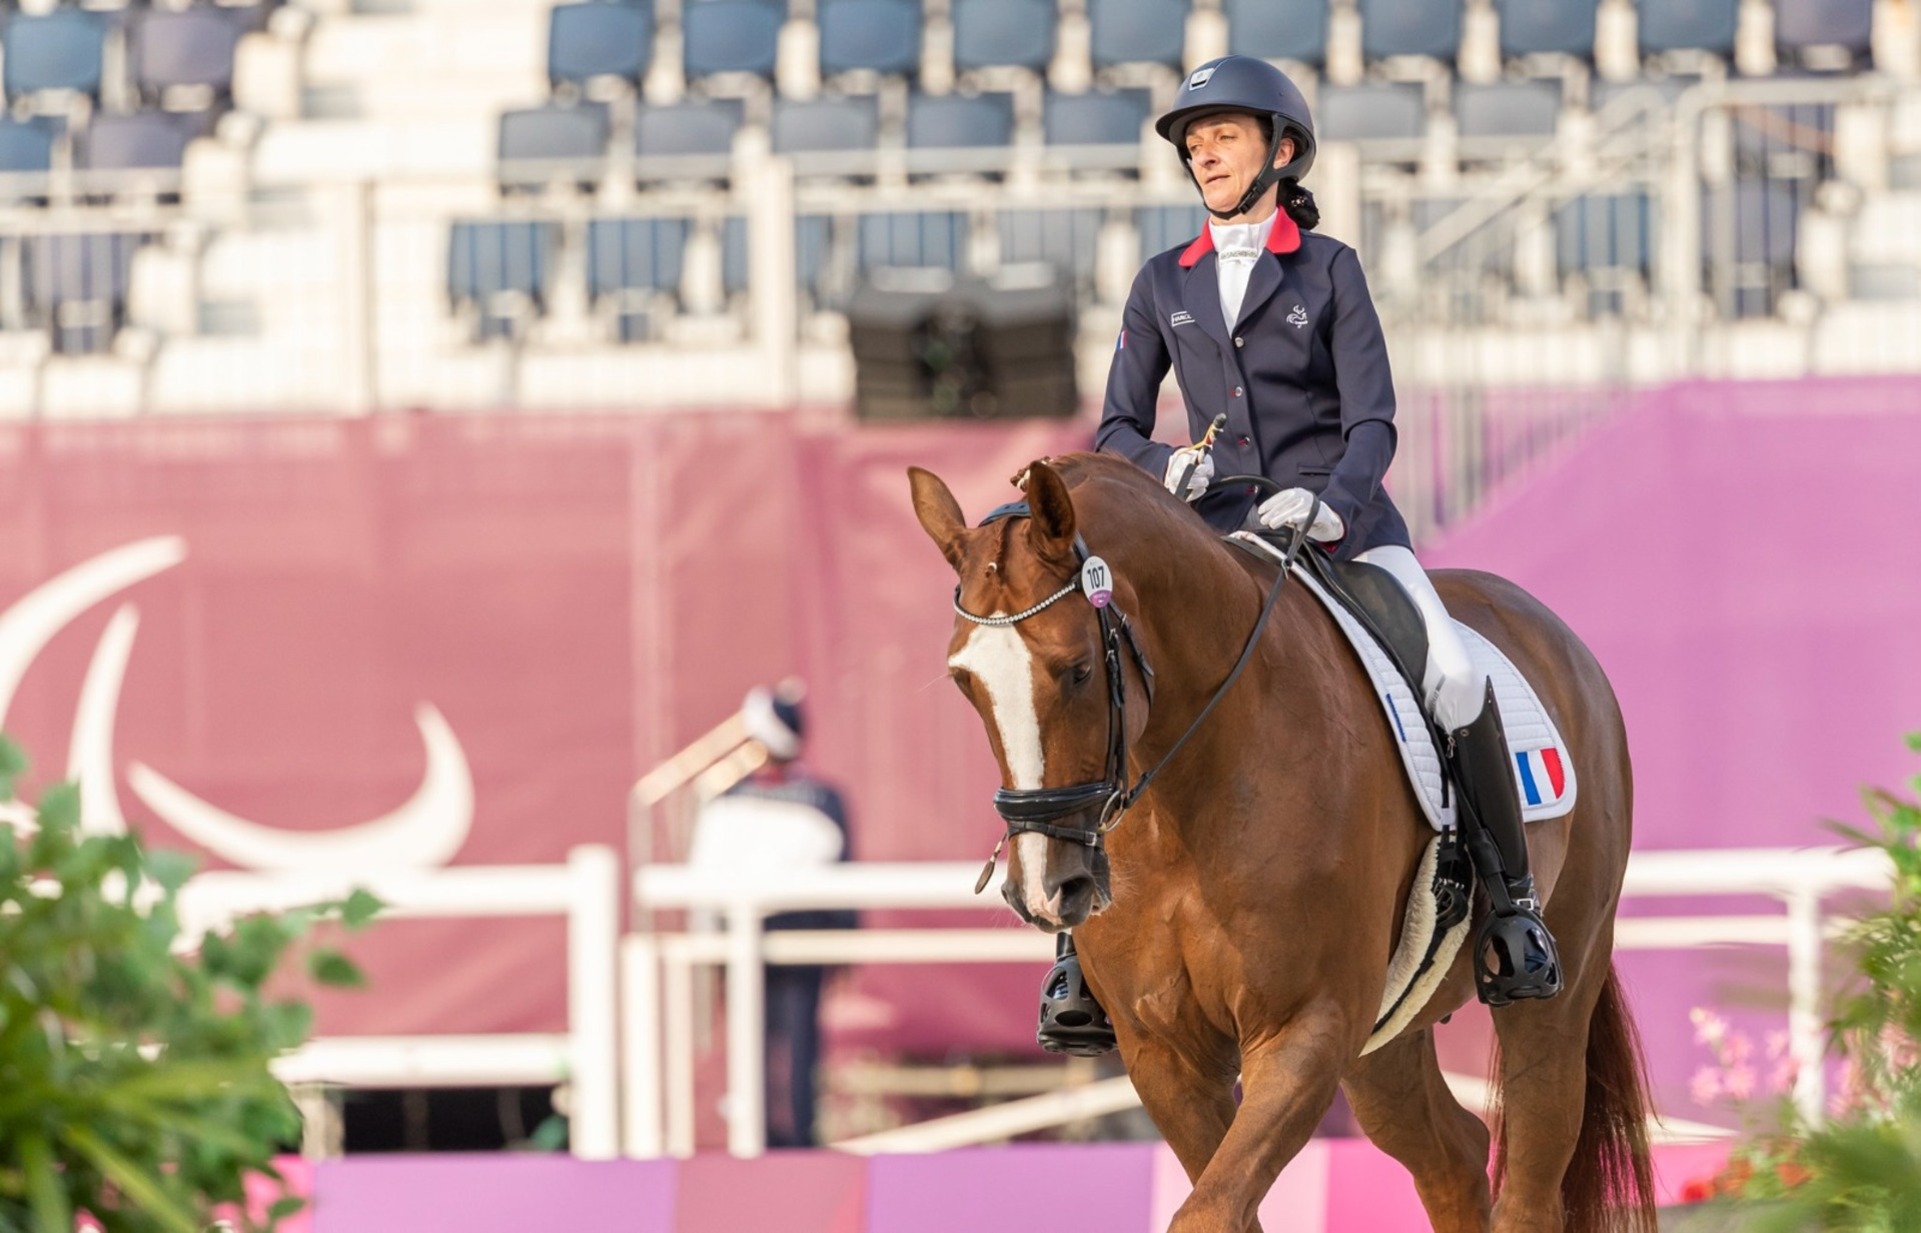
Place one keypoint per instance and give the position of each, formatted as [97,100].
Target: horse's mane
[1106,486]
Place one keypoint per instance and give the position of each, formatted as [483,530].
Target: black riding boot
[1071,1020]
[1514,955]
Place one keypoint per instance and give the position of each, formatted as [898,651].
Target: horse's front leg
[1191,1106]
[1287,1083]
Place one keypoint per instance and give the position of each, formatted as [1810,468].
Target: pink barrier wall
[1334,1186]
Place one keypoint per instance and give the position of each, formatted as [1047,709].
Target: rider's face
[1225,152]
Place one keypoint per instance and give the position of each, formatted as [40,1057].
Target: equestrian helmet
[1245,84]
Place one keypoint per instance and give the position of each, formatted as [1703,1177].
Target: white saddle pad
[1543,771]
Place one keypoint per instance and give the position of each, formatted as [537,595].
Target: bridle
[1043,811]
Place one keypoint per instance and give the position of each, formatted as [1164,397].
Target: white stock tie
[1237,247]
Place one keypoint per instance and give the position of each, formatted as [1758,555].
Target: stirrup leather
[1071,1020]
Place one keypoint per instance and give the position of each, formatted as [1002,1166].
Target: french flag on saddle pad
[1543,777]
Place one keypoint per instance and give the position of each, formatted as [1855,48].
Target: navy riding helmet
[1245,84]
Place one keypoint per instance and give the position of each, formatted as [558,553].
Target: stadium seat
[1372,112]
[1605,233]
[695,138]
[1760,216]
[143,141]
[733,255]
[994,33]
[539,145]
[59,50]
[882,36]
[1507,108]
[936,239]
[1097,118]
[1068,240]
[813,246]
[189,47]
[1536,27]
[1137,31]
[823,126]
[75,285]
[495,266]
[1165,227]
[26,156]
[630,254]
[1687,25]
[1274,31]
[730,36]
[1803,24]
[1410,28]
[599,39]
[959,121]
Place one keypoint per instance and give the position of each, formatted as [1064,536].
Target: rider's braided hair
[1295,201]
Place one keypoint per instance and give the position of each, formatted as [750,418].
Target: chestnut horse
[1258,885]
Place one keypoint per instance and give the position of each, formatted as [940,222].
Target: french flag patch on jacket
[1543,778]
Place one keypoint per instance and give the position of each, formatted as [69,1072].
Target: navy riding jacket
[1303,378]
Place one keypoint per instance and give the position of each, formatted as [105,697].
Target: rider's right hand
[1202,464]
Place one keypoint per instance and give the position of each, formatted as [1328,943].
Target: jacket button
[1239,341]
[1237,391]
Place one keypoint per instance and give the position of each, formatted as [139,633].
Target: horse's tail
[1609,1186]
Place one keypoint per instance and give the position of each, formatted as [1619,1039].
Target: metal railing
[585,890]
[657,972]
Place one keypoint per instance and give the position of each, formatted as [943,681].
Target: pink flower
[1705,1086]
[1777,1045]
[1709,1028]
[1736,1049]
[1782,1077]
[1739,1082]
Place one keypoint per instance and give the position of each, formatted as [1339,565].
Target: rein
[1040,810]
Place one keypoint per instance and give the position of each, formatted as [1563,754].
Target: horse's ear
[939,513]
[1051,530]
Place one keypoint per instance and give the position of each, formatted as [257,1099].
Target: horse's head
[1038,651]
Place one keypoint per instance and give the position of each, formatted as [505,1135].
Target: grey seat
[993,33]
[599,39]
[1097,118]
[824,126]
[26,156]
[692,138]
[1534,27]
[1372,112]
[493,264]
[730,36]
[1605,233]
[882,36]
[542,144]
[934,239]
[1066,239]
[813,247]
[142,141]
[959,121]
[734,253]
[1754,223]
[75,286]
[630,254]
[1165,227]
[60,50]
[1410,28]
[1137,31]
[1803,24]
[1507,108]
[1272,31]
[191,47]
[1687,25]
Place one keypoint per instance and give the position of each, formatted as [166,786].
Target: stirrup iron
[1071,1020]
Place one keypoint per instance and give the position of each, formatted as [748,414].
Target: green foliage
[1860,1172]
[134,1081]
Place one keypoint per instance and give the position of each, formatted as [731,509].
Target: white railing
[657,971]
[586,890]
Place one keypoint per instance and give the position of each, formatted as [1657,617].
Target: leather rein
[1042,810]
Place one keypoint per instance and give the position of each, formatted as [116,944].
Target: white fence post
[593,935]
[640,1038]
[1805,1042]
[746,1044]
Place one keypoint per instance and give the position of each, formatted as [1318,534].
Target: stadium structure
[440,412]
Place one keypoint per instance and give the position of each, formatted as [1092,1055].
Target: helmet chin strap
[1269,175]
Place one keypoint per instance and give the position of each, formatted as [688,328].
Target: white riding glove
[1203,471]
[1288,508]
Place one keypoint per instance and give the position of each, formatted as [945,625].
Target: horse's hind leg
[1402,1102]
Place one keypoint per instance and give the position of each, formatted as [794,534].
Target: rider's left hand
[1289,508]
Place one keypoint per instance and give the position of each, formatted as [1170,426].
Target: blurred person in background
[782,816]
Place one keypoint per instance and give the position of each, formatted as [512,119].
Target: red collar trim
[1283,237]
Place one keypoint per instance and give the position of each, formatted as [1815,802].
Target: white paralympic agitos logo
[425,831]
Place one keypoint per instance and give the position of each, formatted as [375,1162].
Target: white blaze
[999,660]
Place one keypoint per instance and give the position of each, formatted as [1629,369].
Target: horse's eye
[1081,672]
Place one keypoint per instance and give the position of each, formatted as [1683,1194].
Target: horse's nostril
[1076,891]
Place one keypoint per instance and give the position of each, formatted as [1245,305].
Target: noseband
[1041,810]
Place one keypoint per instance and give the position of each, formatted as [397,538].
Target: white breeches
[1456,690]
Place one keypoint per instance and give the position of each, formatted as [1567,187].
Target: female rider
[1271,325]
